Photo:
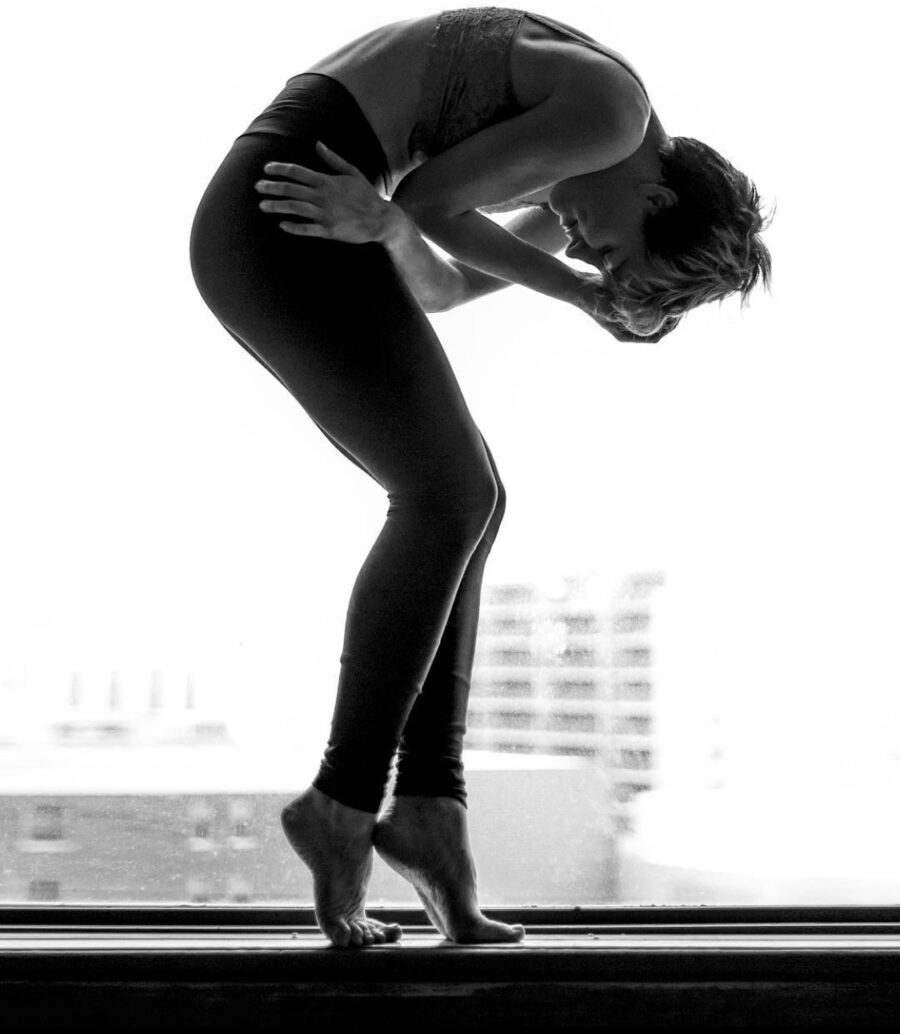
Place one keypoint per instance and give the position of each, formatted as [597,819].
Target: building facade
[569,671]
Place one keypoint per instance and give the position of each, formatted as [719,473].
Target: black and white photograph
[448,508]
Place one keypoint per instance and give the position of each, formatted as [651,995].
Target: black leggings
[339,328]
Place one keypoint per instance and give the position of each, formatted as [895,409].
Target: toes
[359,934]
[385,931]
[339,933]
[488,931]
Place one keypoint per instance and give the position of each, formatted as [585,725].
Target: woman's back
[425,83]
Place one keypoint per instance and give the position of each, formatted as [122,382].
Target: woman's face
[605,212]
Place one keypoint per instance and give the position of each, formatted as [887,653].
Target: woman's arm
[441,284]
[348,208]
[436,284]
[480,243]
[580,128]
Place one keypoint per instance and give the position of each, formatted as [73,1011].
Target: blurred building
[201,823]
[117,788]
[567,669]
[106,708]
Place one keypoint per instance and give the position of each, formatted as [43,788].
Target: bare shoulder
[543,62]
[568,134]
[605,95]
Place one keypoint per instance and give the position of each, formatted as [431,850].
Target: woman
[326,283]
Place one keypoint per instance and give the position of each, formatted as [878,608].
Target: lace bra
[467,85]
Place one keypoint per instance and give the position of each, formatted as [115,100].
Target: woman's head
[701,247]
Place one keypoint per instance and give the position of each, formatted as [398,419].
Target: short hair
[702,248]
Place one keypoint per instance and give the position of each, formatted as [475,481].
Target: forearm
[436,284]
[479,242]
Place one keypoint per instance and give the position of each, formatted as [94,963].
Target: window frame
[544,918]
[582,963]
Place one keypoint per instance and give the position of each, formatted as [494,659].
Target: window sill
[619,968]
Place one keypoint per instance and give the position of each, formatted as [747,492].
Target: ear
[659,196]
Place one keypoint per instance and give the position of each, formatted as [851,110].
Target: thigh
[339,328]
[353,459]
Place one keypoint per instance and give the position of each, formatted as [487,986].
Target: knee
[462,509]
[500,505]
[493,517]
[488,508]
[473,508]
[483,505]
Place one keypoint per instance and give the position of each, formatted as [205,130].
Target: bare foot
[335,843]
[426,840]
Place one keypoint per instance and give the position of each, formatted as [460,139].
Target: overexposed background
[166,503]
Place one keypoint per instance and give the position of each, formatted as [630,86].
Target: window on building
[582,624]
[514,719]
[209,730]
[631,621]
[514,747]
[43,890]
[571,722]
[201,820]
[630,758]
[633,657]
[239,890]
[47,822]
[510,594]
[626,792]
[514,657]
[240,816]
[199,889]
[575,750]
[638,689]
[623,823]
[581,656]
[507,625]
[571,689]
[511,688]
[632,724]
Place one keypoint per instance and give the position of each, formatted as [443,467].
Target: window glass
[684,687]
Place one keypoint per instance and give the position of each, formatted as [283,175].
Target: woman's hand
[593,296]
[340,207]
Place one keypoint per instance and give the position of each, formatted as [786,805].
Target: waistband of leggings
[314,93]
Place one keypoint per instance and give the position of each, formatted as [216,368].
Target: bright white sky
[168,505]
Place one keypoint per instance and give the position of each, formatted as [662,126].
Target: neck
[644,163]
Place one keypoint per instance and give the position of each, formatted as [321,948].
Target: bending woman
[300,255]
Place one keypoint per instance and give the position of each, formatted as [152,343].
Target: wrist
[583,291]
[391,224]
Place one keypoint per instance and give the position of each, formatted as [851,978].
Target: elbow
[413,206]
[424,213]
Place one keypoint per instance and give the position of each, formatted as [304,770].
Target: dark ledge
[608,968]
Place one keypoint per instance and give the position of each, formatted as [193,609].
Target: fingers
[302,209]
[298,173]
[336,160]
[305,229]
[282,189]
[305,209]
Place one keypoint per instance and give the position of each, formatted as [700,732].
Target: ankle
[432,792]
[334,812]
[425,803]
